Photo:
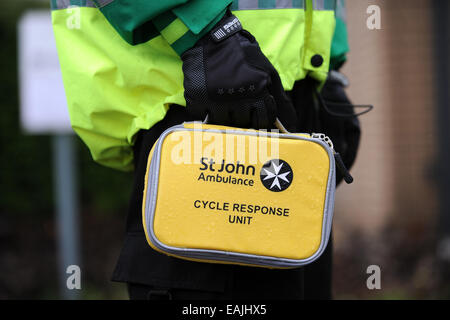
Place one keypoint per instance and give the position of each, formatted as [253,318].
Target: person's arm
[181,22]
[226,75]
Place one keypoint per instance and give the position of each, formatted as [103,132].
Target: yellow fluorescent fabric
[318,41]
[174,31]
[114,89]
[178,222]
[281,39]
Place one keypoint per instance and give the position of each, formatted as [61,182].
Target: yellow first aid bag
[228,195]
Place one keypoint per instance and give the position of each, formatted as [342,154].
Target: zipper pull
[342,168]
[337,157]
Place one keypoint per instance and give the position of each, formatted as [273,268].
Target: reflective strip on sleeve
[102,3]
[324,5]
[267,4]
[284,4]
[64,4]
[341,12]
[247,4]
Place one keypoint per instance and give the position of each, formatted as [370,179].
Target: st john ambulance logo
[276,175]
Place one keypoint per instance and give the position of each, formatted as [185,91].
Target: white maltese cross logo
[276,175]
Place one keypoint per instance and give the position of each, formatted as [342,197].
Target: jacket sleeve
[180,22]
[339,46]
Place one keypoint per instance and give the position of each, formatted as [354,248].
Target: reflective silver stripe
[102,3]
[284,3]
[247,4]
[341,12]
[64,4]
[268,4]
[318,4]
[322,5]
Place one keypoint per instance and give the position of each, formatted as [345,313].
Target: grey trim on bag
[227,256]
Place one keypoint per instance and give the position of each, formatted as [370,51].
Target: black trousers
[152,275]
[313,283]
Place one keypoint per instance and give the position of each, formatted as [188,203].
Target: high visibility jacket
[122,70]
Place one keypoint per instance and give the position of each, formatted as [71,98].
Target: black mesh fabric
[233,83]
[195,80]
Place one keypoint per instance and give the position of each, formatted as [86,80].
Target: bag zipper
[337,157]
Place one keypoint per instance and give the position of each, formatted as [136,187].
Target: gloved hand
[228,78]
[339,120]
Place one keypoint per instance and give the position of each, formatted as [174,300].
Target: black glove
[228,78]
[339,119]
[329,112]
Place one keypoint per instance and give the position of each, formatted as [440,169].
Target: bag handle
[277,124]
